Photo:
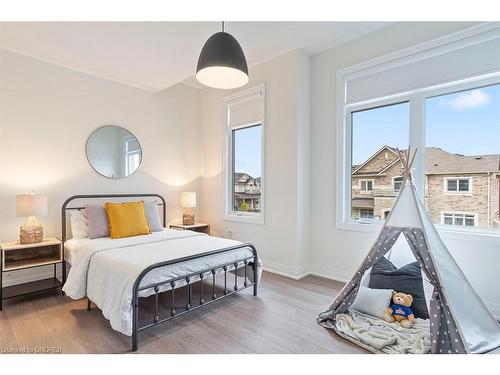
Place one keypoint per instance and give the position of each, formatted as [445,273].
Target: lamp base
[30,234]
[187,219]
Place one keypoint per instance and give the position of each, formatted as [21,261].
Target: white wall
[47,113]
[281,241]
[336,253]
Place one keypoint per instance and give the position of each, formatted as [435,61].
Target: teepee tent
[459,320]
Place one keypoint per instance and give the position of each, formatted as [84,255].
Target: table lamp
[31,205]
[188,201]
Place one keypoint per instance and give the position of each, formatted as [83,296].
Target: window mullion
[417,141]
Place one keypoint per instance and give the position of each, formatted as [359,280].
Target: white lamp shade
[31,205]
[188,199]
[222,77]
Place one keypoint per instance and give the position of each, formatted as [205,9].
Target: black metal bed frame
[247,262]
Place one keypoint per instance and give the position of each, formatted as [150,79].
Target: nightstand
[15,257]
[198,227]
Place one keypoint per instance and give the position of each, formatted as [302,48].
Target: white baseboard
[331,273]
[291,272]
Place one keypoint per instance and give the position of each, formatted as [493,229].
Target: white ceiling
[155,55]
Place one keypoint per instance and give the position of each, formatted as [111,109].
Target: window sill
[248,219]
[479,235]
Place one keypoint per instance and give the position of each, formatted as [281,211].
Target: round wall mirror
[113,151]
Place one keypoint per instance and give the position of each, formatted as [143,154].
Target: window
[366,185]
[473,117]
[376,133]
[246,174]
[243,156]
[133,155]
[366,214]
[457,185]
[467,220]
[451,116]
[397,182]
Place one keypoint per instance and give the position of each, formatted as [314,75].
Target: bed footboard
[230,286]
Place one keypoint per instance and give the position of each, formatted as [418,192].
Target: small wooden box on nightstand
[198,227]
[15,257]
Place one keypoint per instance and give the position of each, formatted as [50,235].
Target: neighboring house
[246,192]
[459,190]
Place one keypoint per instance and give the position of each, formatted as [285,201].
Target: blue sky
[467,123]
[247,151]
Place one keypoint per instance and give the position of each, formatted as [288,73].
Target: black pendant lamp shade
[222,63]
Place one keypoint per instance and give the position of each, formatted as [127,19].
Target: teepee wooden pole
[407,162]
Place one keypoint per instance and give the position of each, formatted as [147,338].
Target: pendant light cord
[222,26]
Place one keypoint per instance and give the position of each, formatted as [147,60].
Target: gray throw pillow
[407,279]
[97,221]
[153,216]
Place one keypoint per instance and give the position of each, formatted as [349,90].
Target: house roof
[243,178]
[356,168]
[439,161]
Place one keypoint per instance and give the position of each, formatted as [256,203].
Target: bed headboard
[87,197]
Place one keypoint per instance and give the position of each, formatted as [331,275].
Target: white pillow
[372,301]
[79,225]
[365,279]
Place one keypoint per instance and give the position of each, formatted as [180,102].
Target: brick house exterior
[246,192]
[459,190]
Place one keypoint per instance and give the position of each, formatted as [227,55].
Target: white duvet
[105,270]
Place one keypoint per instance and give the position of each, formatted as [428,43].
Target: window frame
[394,182]
[456,213]
[366,210]
[417,102]
[458,191]
[361,180]
[229,214]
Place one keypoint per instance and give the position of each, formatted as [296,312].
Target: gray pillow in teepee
[407,279]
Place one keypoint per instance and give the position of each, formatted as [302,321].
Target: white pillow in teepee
[372,301]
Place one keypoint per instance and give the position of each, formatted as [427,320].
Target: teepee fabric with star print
[459,320]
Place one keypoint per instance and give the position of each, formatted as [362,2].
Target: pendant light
[222,63]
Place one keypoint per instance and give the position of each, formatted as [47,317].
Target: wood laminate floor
[281,319]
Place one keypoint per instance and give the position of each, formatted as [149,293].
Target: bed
[115,273]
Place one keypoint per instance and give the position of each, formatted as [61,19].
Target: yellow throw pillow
[126,219]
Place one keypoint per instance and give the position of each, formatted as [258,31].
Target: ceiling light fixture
[222,63]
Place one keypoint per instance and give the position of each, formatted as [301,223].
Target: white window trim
[394,181]
[459,213]
[228,213]
[366,180]
[416,99]
[457,192]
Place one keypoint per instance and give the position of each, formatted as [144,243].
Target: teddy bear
[400,310]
